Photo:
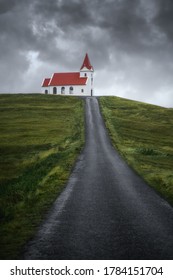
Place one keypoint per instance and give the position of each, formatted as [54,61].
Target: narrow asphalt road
[106,211]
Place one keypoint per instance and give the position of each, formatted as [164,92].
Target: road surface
[106,211]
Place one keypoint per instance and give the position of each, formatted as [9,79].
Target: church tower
[87,70]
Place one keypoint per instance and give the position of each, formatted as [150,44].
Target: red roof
[46,82]
[86,63]
[64,79]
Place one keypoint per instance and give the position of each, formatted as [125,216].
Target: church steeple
[86,64]
[87,71]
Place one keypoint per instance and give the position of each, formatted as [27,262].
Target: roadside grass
[41,136]
[143,135]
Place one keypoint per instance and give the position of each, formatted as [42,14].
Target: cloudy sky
[129,42]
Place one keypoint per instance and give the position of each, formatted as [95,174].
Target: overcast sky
[129,42]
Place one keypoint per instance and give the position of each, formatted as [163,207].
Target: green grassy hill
[40,139]
[41,136]
[143,134]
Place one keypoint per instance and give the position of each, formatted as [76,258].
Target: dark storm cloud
[66,14]
[129,44]
[6,5]
[164,17]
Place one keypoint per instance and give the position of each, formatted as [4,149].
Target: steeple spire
[86,63]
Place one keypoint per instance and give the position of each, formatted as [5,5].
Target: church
[73,83]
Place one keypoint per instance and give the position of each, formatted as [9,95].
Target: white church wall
[77,90]
[89,74]
[45,90]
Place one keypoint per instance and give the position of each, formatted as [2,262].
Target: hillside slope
[143,135]
[40,139]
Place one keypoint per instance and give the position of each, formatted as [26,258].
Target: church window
[46,91]
[71,90]
[82,90]
[85,74]
[63,90]
[54,90]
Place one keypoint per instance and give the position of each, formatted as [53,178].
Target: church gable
[46,82]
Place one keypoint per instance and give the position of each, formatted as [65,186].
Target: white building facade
[73,83]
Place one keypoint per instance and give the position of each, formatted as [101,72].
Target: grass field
[143,134]
[40,139]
